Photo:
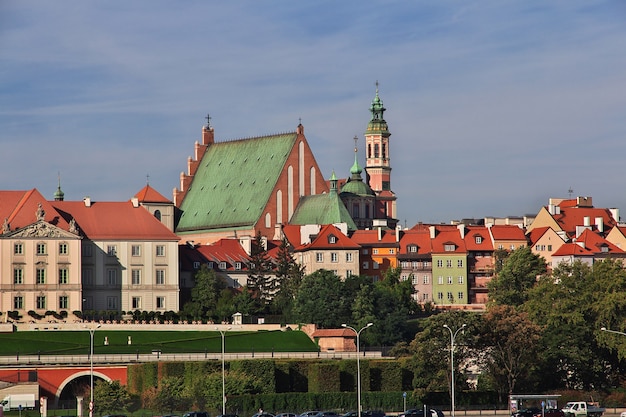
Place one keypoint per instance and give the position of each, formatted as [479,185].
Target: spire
[333,183]
[356,169]
[377,122]
[59,195]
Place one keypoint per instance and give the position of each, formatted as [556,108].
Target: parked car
[196,414]
[308,414]
[227,415]
[550,412]
[326,414]
[527,412]
[286,415]
[418,412]
[263,415]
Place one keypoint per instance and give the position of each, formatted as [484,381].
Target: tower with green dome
[358,196]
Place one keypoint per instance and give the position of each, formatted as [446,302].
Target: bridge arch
[76,375]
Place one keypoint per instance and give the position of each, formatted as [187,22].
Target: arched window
[157,214]
[268,220]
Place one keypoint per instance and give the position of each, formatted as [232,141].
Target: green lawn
[77,342]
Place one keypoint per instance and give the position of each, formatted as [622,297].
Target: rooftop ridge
[257,137]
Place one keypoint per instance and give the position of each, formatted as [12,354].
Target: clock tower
[378,162]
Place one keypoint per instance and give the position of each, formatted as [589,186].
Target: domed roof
[357,187]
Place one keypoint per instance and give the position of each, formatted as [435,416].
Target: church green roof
[234,182]
[322,209]
[357,187]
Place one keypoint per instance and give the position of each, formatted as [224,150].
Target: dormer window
[479,240]
[332,239]
[604,248]
[449,247]
[413,248]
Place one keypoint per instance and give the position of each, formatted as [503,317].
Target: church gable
[42,229]
[233,182]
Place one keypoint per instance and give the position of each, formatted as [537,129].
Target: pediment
[41,229]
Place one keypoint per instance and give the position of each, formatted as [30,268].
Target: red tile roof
[149,195]
[19,208]
[114,221]
[447,237]
[333,333]
[420,238]
[507,232]
[322,241]
[224,250]
[536,234]
[595,242]
[471,233]
[571,249]
[570,217]
[370,237]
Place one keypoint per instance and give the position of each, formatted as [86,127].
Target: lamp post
[92,330]
[358,365]
[452,339]
[604,329]
[223,333]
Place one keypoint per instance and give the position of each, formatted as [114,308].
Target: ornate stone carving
[73,227]
[6,227]
[40,213]
[40,229]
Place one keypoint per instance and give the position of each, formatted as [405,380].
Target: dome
[357,187]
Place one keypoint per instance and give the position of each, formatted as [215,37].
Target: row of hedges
[281,376]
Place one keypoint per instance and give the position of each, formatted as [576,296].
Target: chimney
[87,201]
[600,224]
[433,231]
[586,221]
[135,202]
[461,228]
[398,228]
[615,214]
[380,234]
[551,209]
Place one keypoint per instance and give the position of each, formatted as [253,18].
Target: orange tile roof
[292,233]
[471,233]
[446,237]
[321,241]
[536,234]
[149,195]
[224,250]
[333,333]
[571,249]
[507,232]
[114,221]
[570,217]
[19,209]
[595,242]
[419,238]
[370,238]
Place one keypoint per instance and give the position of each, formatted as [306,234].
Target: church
[242,187]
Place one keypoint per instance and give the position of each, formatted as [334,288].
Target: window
[449,280]
[604,249]
[41,248]
[349,257]
[63,248]
[425,279]
[18,302]
[414,280]
[63,302]
[461,279]
[64,276]
[448,263]
[196,265]
[210,265]
[440,280]
[157,214]
[404,265]
[136,303]
[425,297]
[18,249]
[332,239]
[375,265]
[319,257]
[366,265]
[500,247]
[222,265]
[160,250]
[40,276]
[160,303]
[135,250]
[365,251]
[333,257]
[238,266]
[111,250]
[449,247]
[18,276]
[439,263]
[512,247]
[413,249]
[460,295]
[87,276]
[440,296]
[479,240]
[112,276]
[375,251]
[459,263]
[112,303]
[550,247]
[160,277]
[135,277]
[392,251]
[348,273]
[450,296]
[41,302]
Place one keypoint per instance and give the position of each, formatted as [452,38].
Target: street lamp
[358,365]
[223,333]
[452,338]
[92,330]
[604,329]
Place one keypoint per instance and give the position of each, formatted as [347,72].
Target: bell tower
[378,162]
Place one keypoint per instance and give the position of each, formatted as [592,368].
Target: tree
[111,397]
[510,342]
[321,299]
[288,278]
[262,286]
[168,396]
[205,293]
[519,273]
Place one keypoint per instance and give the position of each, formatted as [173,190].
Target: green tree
[262,285]
[519,273]
[205,293]
[169,396]
[289,276]
[111,397]
[321,299]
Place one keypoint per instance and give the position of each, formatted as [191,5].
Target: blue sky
[493,106]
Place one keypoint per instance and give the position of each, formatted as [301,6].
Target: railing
[156,355]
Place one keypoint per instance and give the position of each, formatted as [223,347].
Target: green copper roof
[377,123]
[233,182]
[322,209]
[357,187]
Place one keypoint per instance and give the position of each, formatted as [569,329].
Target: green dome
[357,187]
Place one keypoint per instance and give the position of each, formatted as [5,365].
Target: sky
[493,106]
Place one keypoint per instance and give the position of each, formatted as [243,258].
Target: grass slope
[76,342]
